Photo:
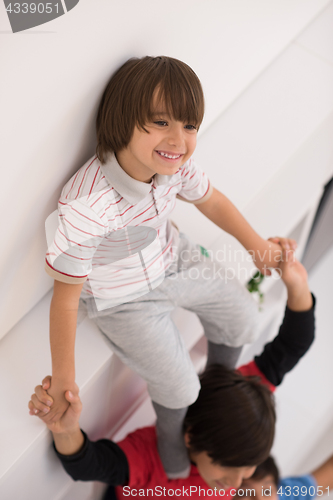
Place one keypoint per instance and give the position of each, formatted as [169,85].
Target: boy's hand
[273,254]
[60,403]
[41,405]
[285,243]
[295,277]
[293,273]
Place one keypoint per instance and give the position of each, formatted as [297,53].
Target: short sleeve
[297,488]
[71,245]
[196,187]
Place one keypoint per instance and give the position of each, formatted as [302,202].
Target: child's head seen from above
[229,430]
[149,116]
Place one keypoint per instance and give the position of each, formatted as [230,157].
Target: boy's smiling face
[218,476]
[163,149]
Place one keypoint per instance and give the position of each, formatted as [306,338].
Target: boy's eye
[161,123]
[190,127]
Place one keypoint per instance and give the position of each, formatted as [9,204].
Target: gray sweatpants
[144,336]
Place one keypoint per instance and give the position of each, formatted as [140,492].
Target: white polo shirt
[116,230]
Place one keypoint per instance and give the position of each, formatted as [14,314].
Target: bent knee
[248,328]
[175,392]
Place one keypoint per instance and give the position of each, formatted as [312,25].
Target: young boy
[114,227]
[228,431]
[266,483]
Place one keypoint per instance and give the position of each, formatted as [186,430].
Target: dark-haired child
[114,228]
[228,431]
[267,484]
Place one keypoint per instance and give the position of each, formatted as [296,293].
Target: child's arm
[295,277]
[296,333]
[324,475]
[63,318]
[82,459]
[67,434]
[219,209]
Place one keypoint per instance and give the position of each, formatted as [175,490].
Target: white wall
[269,147]
[53,77]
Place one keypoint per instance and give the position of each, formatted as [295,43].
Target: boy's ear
[187,439]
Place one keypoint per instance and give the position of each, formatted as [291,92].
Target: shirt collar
[131,189]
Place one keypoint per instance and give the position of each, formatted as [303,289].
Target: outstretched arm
[296,333]
[81,458]
[63,318]
[324,474]
[66,431]
[265,253]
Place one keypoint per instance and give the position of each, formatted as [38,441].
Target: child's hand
[295,277]
[273,254]
[285,243]
[293,273]
[60,403]
[41,404]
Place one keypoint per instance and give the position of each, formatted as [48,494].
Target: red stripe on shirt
[170,189]
[194,187]
[106,192]
[156,215]
[93,181]
[85,232]
[65,274]
[143,212]
[86,170]
[78,244]
[68,254]
[91,220]
[77,173]
[115,203]
[120,215]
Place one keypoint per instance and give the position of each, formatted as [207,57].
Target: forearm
[295,337]
[62,341]
[63,319]
[220,210]
[101,460]
[225,215]
[324,474]
[299,298]
[69,443]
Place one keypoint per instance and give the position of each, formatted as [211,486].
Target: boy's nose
[176,136]
[234,481]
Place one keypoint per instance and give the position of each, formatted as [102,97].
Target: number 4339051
[302,491]
[33,8]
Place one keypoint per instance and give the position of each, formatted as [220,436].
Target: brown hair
[127,99]
[233,419]
[267,468]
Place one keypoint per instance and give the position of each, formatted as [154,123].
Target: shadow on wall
[321,234]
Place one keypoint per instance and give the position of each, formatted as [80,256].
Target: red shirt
[146,474]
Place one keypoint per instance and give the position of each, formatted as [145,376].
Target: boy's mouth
[169,156]
[221,485]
